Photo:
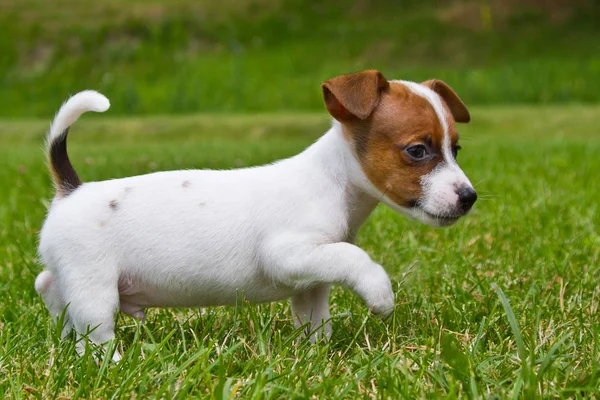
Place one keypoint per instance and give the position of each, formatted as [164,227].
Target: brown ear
[354,95]
[457,107]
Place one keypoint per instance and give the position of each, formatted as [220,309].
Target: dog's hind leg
[47,287]
[93,301]
[310,308]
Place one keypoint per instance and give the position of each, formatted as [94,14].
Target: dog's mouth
[442,220]
[437,219]
[415,210]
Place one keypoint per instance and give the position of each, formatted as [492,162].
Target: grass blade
[516,330]
[512,320]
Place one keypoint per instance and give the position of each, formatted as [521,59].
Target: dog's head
[404,138]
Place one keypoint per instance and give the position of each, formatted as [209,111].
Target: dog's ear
[457,107]
[354,95]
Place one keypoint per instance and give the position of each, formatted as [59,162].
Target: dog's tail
[63,174]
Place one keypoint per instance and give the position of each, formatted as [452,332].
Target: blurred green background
[190,56]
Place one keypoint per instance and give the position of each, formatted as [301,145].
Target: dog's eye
[455,150]
[417,152]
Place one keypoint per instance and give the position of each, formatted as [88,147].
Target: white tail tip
[88,100]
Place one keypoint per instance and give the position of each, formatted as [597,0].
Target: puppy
[198,238]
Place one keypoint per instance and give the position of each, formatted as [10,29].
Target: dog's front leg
[307,266]
[310,308]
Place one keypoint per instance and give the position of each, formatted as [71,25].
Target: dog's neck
[335,158]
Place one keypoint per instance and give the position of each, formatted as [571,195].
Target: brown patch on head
[185,184]
[403,119]
[400,119]
[113,204]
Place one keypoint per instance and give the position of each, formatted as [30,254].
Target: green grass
[189,56]
[502,305]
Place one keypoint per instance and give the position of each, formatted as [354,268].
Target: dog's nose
[467,197]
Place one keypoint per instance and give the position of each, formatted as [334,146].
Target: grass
[189,56]
[504,304]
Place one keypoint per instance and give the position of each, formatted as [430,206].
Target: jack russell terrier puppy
[198,238]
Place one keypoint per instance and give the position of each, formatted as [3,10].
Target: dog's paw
[375,288]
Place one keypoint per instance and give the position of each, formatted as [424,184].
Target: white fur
[200,237]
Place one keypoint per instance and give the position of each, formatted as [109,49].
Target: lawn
[504,304]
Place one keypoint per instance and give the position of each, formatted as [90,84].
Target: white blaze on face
[440,197]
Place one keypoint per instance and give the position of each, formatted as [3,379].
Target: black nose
[467,197]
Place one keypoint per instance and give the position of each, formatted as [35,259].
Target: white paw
[375,288]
